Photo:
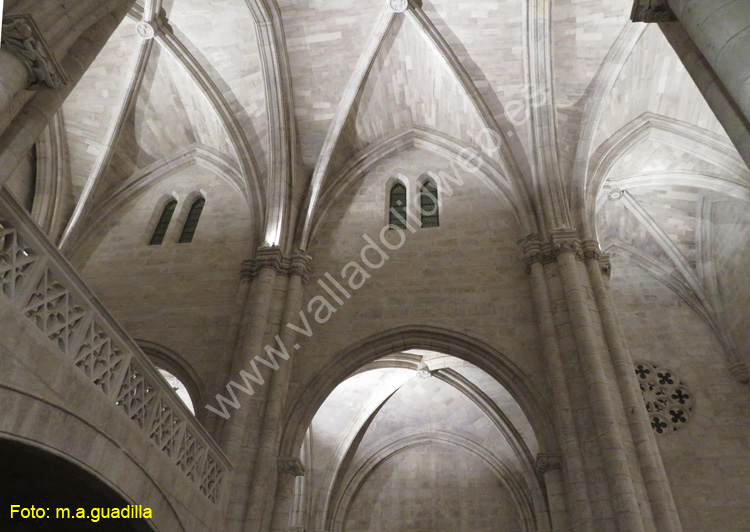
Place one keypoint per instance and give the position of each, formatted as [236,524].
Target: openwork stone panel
[39,283]
[54,310]
[136,397]
[16,259]
[166,428]
[190,454]
[210,479]
[101,360]
[669,401]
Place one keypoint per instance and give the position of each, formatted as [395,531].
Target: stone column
[263,270]
[19,135]
[613,477]
[720,29]
[15,78]
[574,472]
[616,466]
[654,476]
[26,64]
[265,478]
[721,103]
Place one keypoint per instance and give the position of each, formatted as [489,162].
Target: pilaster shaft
[240,423]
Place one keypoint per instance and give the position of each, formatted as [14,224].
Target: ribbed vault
[410,398]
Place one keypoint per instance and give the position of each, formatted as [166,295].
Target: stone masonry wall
[708,461]
[432,489]
[466,275]
[181,296]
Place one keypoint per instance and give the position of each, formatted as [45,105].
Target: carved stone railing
[41,284]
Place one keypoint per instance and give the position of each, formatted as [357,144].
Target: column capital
[291,466]
[652,11]
[739,371]
[22,38]
[301,265]
[537,252]
[547,462]
[534,252]
[592,251]
[271,257]
[566,241]
[265,257]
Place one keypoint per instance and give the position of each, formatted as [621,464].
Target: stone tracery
[668,400]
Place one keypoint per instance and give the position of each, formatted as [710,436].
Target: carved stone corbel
[652,11]
[547,462]
[22,38]
[291,466]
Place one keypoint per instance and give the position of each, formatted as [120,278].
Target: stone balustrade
[41,284]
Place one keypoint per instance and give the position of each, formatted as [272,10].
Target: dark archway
[33,477]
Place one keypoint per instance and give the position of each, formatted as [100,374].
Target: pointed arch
[361,470]
[487,170]
[603,83]
[212,160]
[165,358]
[302,408]
[52,185]
[505,160]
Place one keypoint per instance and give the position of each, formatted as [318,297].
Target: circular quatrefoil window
[669,401]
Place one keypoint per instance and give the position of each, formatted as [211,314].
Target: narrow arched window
[191,224]
[397,206]
[428,204]
[161,228]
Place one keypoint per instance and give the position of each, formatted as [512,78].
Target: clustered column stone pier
[251,436]
[261,274]
[602,424]
[581,518]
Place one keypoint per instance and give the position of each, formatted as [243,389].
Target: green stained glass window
[428,203]
[191,224]
[397,206]
[161,228]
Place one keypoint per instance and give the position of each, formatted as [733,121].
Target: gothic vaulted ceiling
[581,100]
